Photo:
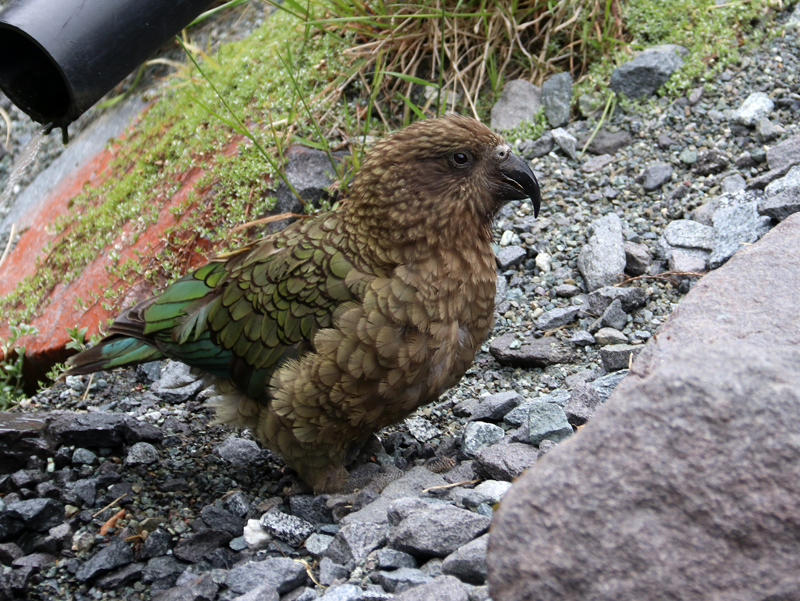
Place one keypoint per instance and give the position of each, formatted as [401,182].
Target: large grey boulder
[686,483]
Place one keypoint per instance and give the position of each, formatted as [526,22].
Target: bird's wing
[246,312]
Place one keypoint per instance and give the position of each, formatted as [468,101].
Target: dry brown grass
[468,47]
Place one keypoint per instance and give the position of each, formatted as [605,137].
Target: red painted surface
[62,312]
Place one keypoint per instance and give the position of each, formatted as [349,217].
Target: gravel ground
[210,515]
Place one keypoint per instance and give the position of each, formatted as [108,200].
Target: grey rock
[606,384]
[728,358]
[81,456]
[643,75]
[163,570]
[355,541]
[120,577]
[754,107]
[606,142]
[329,571]
[317,544]
[437,532]
[685,233]
[22,437]
[735,226]
[539,147]
[566,290]
[710,162]
[479,435]
[555,318]
[116,554]
[605,336]
[583,402]
[262,593]
[421,428]
[505,461]
[303,593]
[391,559]
[519,102]
[705,213]
[582,338]
[150,372]
[766,130]
[597,163]
[218,519]
[763,180]
[520,415]
[412,483]
[177,383]
[590,103]
[344,592]
[532,352]
[238,505]
[198,588]
[492,491]
[310,172]
[137,431]
[196,546]
[782,196]
[688,156]
[280,573]
[556,97]
[618,356]
[311,508]
[746,160]
[468,563]
[602,259]
[494,407]
[288,528]
[438,589]
[547,421]
[683,261]
[142,453]
[612,317]
[9,552]
[402,579]
[784,155]
[638,258]
[90,430]
[82,491]
[566,142]
[655,176]
[733,183]
[38,515]
[156,544]
[510,256]
[238,451]
[35,560]
[632,298]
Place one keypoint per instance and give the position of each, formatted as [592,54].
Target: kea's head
[441,172]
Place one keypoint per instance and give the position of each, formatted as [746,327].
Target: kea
[346,321]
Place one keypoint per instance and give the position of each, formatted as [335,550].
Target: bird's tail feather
[115,351]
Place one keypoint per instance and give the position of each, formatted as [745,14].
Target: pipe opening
[30,79]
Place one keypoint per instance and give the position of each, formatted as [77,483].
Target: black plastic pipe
[59,57]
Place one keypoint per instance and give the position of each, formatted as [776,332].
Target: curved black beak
[518,182]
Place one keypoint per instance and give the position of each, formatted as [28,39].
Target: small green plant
[77,342]
[13,358]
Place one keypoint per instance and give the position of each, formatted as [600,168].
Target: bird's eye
[461,159]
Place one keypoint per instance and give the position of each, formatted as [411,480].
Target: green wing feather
[241,315]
